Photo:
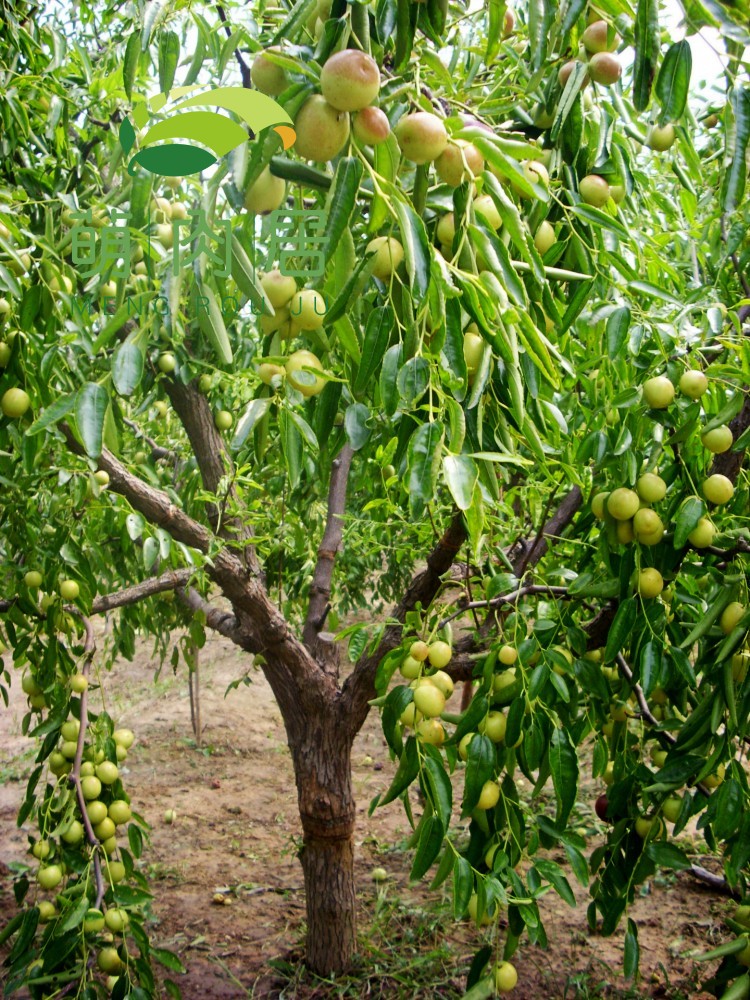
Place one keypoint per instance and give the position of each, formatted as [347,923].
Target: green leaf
[673,82]
[412,381]
[563,762]
[52,414]
[646,51]
[438,785]
[600,219]
[632,955]
[255,411]
[725,809]
[618,325]
[416,248]
[154,12]
[292,24]
[425,450]
[621,628]
[407,771]
[733,186]
[168,959]
[387,159]
[169,54]
[75,917]
[211,323]
[341,199]
[355,423]
[667,855]
[555,876]
[246,278]
[688,516]
[127,368]
[572,11]
[495,29]
[91,406]
[389,379]
[428,847]
[651,666]
[461,475]
[377,336]
[130,62]
[463,885]
[291,446]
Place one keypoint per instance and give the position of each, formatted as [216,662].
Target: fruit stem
[553,272]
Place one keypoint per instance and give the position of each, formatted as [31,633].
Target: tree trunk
[322,765]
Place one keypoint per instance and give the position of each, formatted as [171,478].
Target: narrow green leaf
[632,954]
[735,176]
[621,627]
[461,476]
[563,762]
[52,413]
[168,959]
[428,847]
[255,411]
[688,516]
[668,856]
[127,368]
[211,323]
[416,248]
[413,380]
[91,405]
[463,885]
[425,450]
[439,786]
[407,771]
[291,446]
[355,423]
[130,62]
[341,199]
[673,81]
[377,335]
[618,325]
[169,54]
[646,51]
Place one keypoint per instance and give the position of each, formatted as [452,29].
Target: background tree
[527,252]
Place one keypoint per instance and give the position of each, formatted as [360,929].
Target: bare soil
[228,884]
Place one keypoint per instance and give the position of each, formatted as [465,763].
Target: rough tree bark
[322,768]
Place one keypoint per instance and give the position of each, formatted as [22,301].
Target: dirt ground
[235,838]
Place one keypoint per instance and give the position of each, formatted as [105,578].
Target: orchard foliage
[527,340]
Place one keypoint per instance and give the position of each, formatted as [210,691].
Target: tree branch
[157,451]
[646,712]
[359,687]
[512,598]
[261,628]
[214,462]
[244,68]
[528,557]
[139,591]
[320,591]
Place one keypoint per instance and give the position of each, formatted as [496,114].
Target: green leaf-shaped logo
[209,134]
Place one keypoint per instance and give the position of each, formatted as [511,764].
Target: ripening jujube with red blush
[350,80]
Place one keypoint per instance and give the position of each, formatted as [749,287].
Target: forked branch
[320,591]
